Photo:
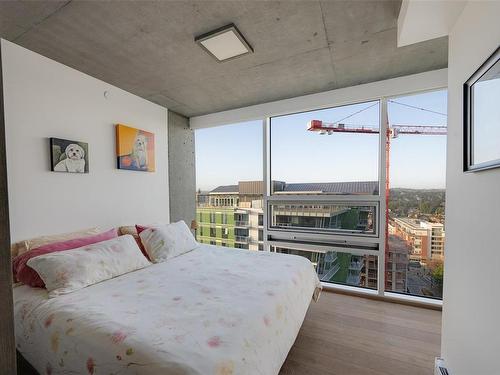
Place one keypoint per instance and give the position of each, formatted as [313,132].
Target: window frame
[375,245]
[383,91]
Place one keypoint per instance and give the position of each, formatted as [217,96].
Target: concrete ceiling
[147,48]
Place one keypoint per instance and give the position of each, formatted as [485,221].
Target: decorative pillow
[133,232]
[23,273]
[167,241]
[67,271]
[141,228]
[45,240]
[128,229]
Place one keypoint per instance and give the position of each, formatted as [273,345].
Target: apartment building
[232,216]
[425,239]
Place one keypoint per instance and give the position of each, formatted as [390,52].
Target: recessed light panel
[225,43]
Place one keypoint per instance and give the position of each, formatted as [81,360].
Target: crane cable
[391,101]
[419,108]
[355,113]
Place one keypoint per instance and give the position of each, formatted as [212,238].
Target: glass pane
[324,217]
[328,151]
[229,185]
[486,120]
[416,221]
[339,267]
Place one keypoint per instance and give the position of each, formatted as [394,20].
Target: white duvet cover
[211,311]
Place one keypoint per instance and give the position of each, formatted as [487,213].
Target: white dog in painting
[139,153]
[74,162]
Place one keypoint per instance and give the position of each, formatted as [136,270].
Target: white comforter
[211,311]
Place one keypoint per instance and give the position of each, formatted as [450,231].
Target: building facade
[232,216]
[425,239]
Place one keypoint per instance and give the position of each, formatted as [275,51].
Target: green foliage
[350,219]
[344,260]
[408,202]
[438,274]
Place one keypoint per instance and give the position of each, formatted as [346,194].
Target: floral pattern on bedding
[210,311]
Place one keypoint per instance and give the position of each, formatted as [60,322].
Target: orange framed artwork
[135,149]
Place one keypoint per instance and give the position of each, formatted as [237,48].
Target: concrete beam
[420,21]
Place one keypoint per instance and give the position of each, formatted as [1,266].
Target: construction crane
[393,131]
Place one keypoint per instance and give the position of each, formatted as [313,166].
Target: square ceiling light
[225,43]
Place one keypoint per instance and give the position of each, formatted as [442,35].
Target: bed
[212,310]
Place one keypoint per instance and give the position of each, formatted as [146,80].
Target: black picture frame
[59,147]
[468,112]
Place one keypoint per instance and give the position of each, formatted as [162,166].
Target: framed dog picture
[135,149]
[69,156]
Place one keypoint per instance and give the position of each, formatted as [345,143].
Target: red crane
[393,131]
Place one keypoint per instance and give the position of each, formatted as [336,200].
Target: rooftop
[353,187]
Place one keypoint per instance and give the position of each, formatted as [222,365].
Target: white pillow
[167,241]
[66,271]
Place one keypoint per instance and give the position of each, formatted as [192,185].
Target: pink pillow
[141,228]
[27,275]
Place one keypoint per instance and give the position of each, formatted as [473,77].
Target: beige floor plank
[347,335]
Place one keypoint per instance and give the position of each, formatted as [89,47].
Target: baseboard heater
[440,367]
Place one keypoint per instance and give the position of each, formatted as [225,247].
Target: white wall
[46,99]
[471,328]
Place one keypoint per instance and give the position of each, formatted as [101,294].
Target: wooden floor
[346,335]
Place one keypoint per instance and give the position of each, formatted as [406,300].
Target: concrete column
[181,169]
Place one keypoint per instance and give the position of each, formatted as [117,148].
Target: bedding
[167,241]
[27,275]
[210,311]
[66,271]
[33,243]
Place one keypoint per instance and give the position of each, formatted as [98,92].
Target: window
[415,247]
[325,217]
[338,266]
[324,190]
[229,182]
[329,151]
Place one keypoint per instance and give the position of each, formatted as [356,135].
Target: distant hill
[417,203]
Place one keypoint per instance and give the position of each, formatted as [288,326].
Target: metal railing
[241,239]
[241,223]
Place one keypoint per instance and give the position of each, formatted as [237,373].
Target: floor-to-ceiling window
[324,186]
[417,171]
[229,185]
[358,189]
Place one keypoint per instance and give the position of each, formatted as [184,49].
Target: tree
[438,274]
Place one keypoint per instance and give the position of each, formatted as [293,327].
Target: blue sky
[232,153]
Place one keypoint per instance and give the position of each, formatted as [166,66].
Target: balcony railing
[330,273]
[353,279]
[241,223]
[356,266]
[241,239]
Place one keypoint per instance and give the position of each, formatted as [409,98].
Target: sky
[486,121]
[232,153]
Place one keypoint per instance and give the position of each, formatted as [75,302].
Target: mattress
[213,310]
